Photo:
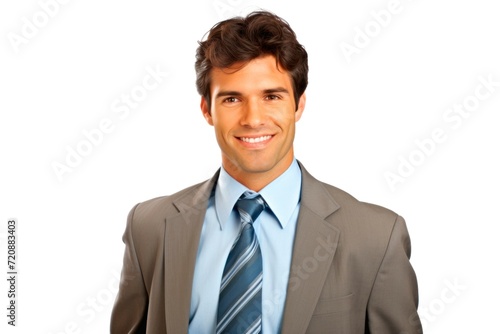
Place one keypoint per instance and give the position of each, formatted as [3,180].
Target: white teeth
[255,140]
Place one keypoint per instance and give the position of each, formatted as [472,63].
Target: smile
[255,139]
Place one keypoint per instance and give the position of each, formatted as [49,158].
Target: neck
[258,180]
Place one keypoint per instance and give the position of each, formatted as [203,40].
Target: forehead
[259,73]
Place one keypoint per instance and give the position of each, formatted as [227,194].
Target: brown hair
[242,39]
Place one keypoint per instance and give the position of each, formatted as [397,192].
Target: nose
[252,114]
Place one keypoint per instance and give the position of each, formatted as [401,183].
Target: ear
[300,107]
[205,110]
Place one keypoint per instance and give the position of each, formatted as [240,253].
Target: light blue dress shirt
[275,229]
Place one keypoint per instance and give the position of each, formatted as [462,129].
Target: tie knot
[250,207]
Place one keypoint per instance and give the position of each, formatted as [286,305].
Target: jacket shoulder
[146,220]
[366,229]
[324,197]
[163,205]
[350,203]
[370,224]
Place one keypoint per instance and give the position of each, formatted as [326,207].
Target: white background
[364,113]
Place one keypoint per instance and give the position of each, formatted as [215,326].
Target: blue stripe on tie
[238,311]
[240,299]
[236,264]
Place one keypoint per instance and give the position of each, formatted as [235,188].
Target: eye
[273,97]
[230,99]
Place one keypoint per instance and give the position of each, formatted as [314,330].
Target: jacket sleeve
[393,302]
[130,309]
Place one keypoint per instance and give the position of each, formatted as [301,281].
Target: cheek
[222,129]
[288,121]
[225,123]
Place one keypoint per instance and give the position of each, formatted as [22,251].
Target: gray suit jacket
[350,269]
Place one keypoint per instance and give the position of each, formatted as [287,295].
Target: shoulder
[348,213]
[353,206]
[163,205]
[155,210]
[146,220]
[366,229]
[369,225]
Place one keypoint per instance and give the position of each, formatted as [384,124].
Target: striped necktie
[240,299]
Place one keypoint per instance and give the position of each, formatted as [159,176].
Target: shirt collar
[228,190]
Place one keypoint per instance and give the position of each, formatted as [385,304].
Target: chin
[256,167]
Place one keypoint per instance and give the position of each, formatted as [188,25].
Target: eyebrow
[224,93]
[276,90]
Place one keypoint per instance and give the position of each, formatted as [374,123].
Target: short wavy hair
[241,39]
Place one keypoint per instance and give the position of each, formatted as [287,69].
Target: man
[262,246]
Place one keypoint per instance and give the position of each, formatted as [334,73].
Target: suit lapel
[180,254]
[314,247]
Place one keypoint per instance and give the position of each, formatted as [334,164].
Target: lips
[253,140]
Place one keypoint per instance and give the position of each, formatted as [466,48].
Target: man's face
[253,114]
